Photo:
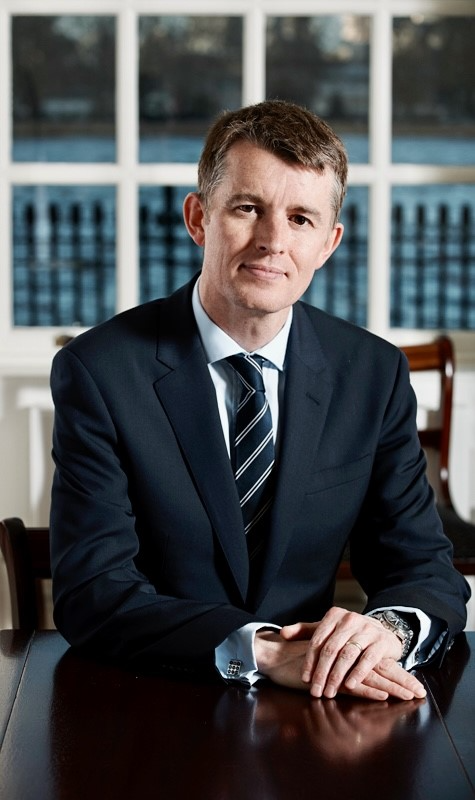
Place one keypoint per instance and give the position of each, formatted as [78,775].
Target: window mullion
[379,255]
[254,57]
[5,190]
[127,252]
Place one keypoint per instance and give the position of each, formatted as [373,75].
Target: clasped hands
[345,652]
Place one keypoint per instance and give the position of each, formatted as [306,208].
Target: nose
[271,234]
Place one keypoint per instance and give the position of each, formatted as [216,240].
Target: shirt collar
[218,345]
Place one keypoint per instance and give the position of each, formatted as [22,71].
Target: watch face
[393,618]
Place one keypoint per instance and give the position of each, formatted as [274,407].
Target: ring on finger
[357,644]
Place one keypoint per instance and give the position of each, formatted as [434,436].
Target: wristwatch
[393,622]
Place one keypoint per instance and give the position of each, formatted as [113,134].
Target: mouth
[263,271]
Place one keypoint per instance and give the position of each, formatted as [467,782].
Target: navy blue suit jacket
[148,553]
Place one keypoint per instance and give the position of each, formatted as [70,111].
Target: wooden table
[71,728]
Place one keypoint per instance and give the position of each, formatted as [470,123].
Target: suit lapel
[308,392]
[186,392]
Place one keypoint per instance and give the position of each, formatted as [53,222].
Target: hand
[352,653]
[281,660]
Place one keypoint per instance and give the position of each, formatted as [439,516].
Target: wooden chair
[26,554]
[434,434]
[438,356]
[26,550]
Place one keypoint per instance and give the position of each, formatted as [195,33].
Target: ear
[193,214]
[332,243]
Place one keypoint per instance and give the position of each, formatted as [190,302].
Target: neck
[252,331]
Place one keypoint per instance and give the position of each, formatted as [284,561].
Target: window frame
[29,350]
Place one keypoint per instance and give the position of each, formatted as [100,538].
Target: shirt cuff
[235,657]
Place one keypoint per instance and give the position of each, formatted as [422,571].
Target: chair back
[434,431]
[27,559]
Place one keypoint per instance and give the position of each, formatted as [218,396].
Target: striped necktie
[253,453]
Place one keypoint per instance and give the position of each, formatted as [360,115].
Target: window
[102,116]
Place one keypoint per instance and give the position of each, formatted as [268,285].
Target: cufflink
[234,668]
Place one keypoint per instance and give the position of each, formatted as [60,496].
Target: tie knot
[249,369]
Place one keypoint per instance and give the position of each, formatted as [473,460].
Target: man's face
[267,228]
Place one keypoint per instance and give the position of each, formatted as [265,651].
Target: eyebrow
[254,199]
[243,197]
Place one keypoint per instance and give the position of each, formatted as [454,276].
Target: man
[151,563]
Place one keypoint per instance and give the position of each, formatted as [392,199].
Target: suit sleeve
[399,551]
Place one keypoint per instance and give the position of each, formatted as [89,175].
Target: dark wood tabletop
[72,728]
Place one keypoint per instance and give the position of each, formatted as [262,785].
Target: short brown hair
[291,132]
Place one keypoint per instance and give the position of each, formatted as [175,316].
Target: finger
[380,688]
[393,690]
[336,628]
[390,677]
[393,672]
[323,649]
[369,658]
[367,692]
[333,665]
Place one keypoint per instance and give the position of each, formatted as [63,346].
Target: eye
[247,208]
[300,220]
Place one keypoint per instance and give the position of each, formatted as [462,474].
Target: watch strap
[393,622]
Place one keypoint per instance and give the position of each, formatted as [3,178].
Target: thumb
[299,630]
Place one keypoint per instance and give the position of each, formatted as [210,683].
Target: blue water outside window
[190,68]
[433,98]
[330,71]
[63,71]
